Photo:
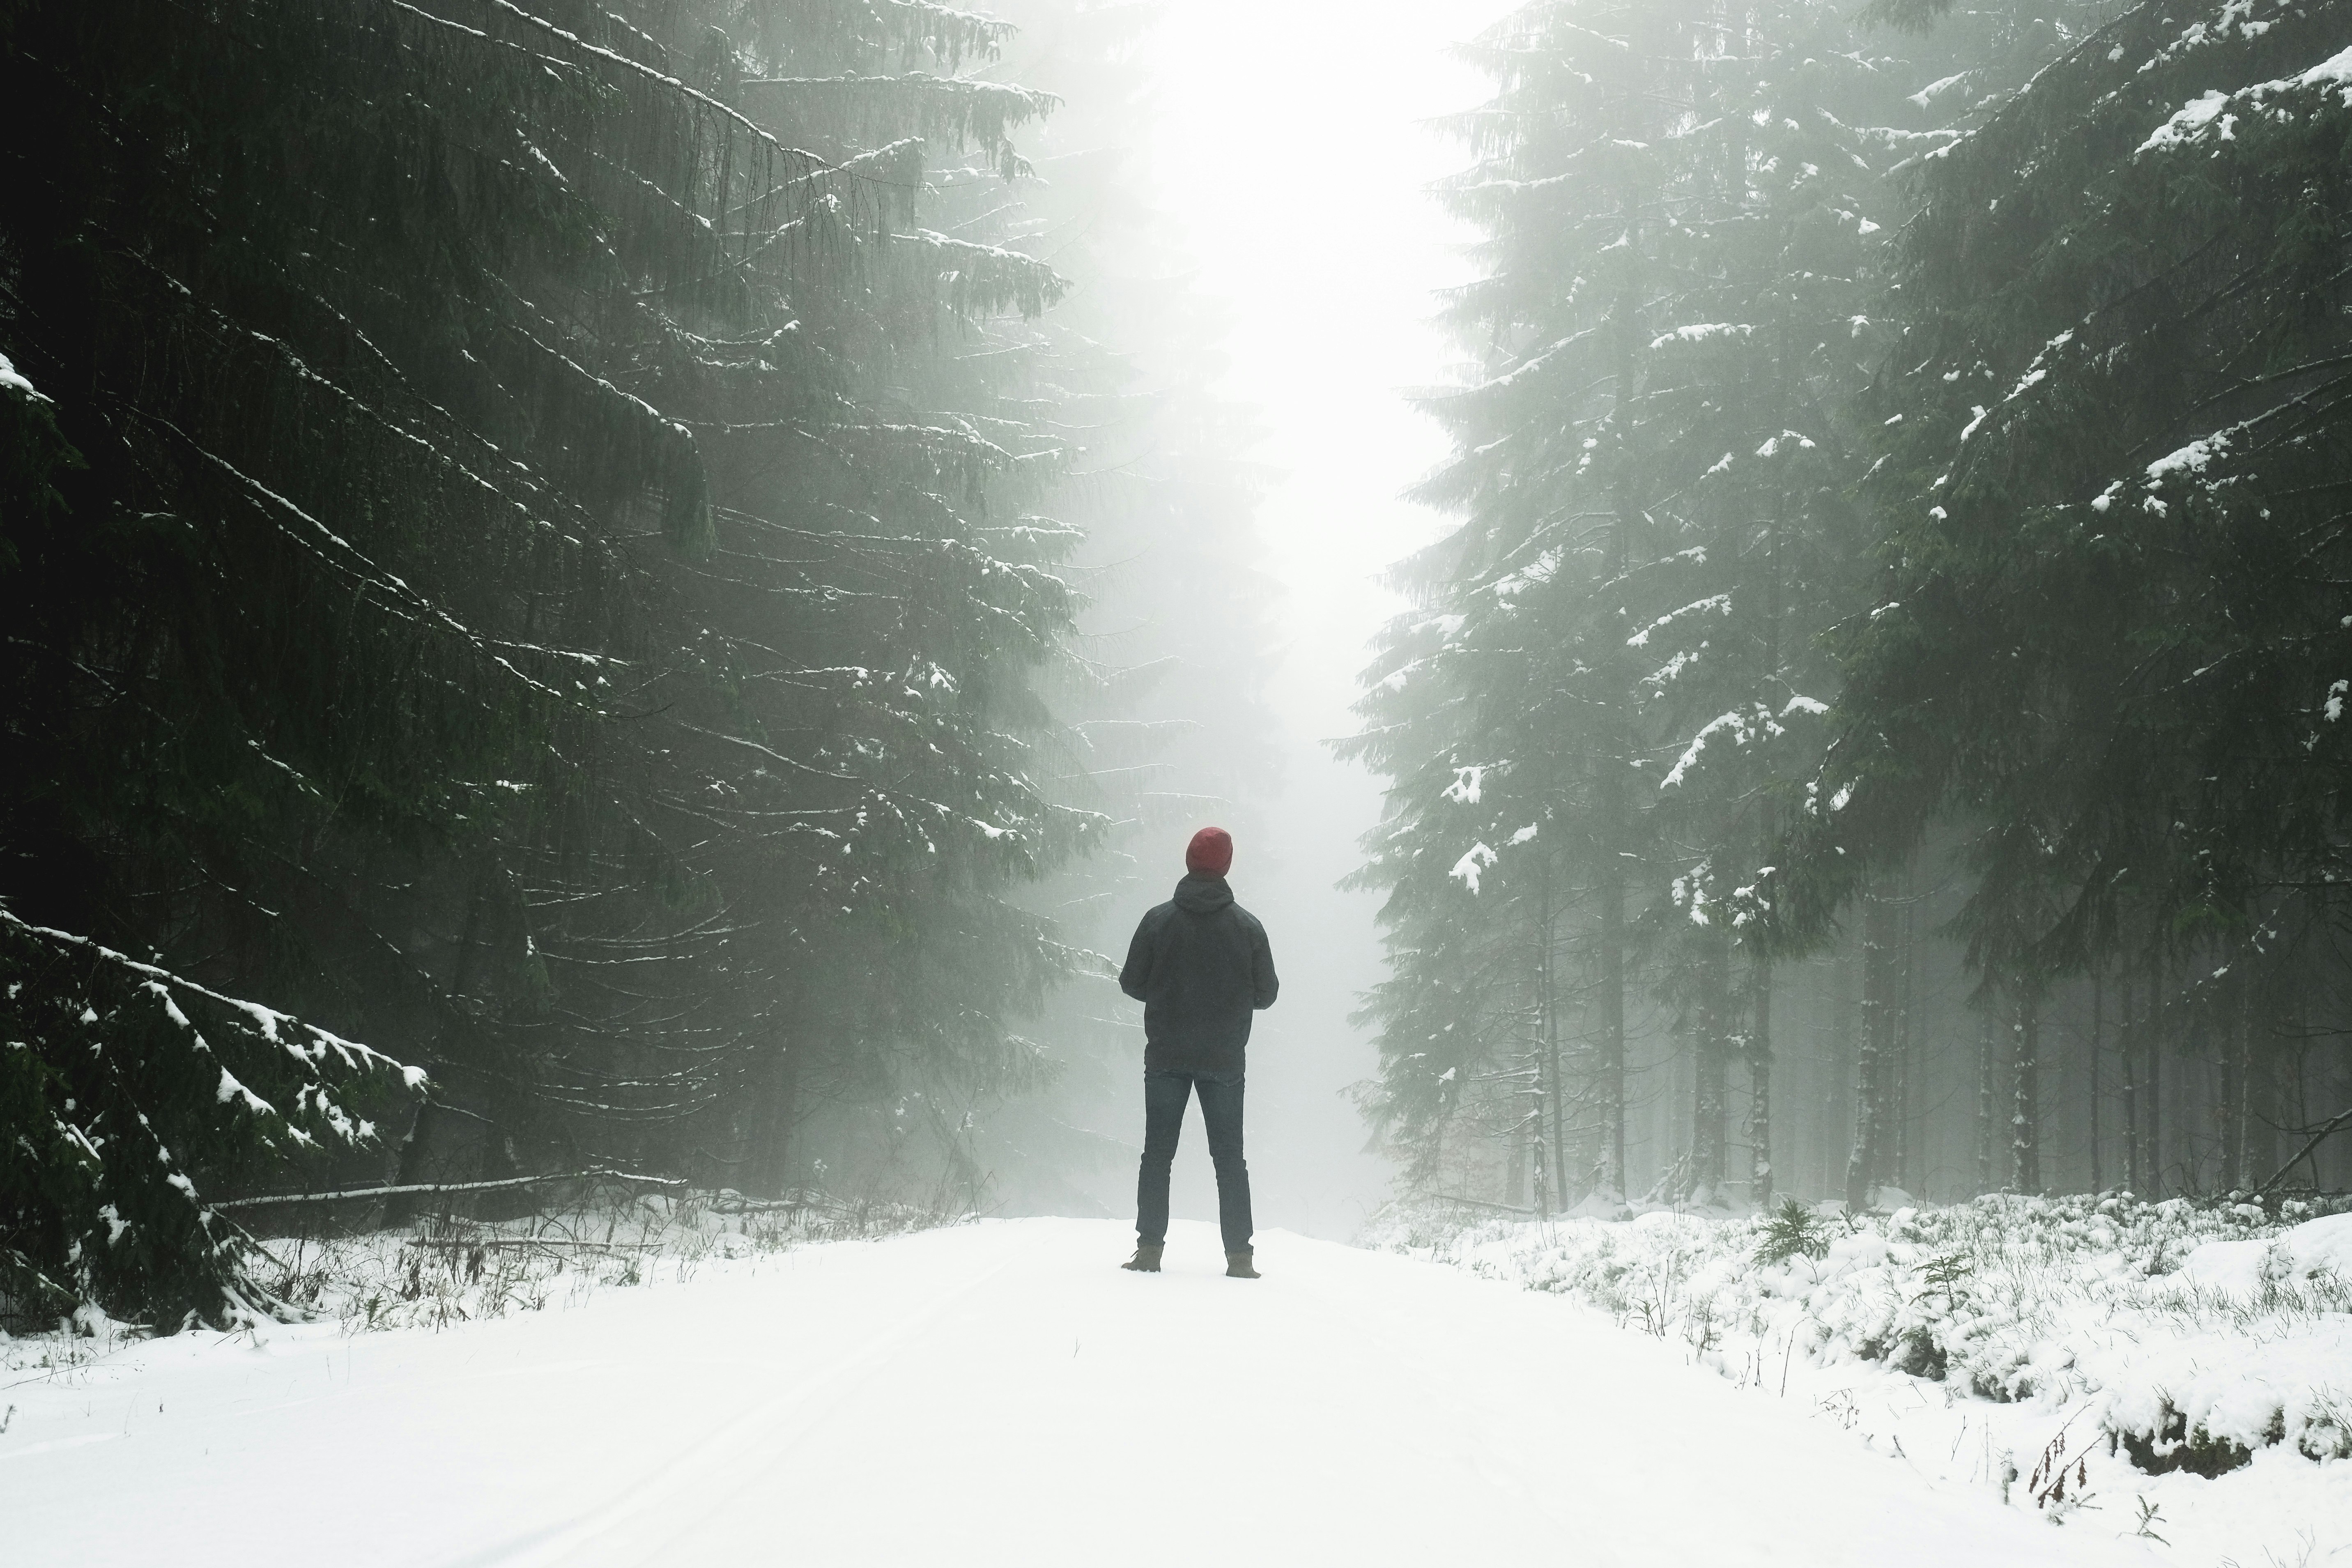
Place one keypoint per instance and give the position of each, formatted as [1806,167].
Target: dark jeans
[1164,1096]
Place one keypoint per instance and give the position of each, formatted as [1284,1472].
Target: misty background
[668,612]
[1286,276]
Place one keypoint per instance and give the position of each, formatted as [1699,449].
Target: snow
[1927,94]
[2007,1344]
[2246,1268]
[2189,123]
[1746,727]
[2237,15]
[1700,331]
[1542,570]
[14,381]
[991,1393]
[2193,459]
[1472,865]
[1719,603]
[2191,119]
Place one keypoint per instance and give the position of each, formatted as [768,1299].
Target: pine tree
[560,568]
[1652,475]
[2103,639]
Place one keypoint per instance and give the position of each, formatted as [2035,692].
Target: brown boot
[1239,1267]
[1146,1259]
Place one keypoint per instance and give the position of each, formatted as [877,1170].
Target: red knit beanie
[1210,853]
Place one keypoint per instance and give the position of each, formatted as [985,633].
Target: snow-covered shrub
[128,1095]
[2198,1333]
[450,1269]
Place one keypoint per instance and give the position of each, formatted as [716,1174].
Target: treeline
[1878,719]
[538,537]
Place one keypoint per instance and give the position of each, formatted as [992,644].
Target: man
[1200,965]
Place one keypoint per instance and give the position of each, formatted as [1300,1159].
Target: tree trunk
[2025,1083]
[1759,1091]
[2343,1145]
[416,1166]
[1984,1098]
[1866,1167]
[2127,1060]
[1609,1066]
[1901,1151]
[2249,1105]
[1626,326]
[1760,1041]
[2154,1024]
[1558,1096]
[1845,1108]
[1534,1128]
[1711,1063]
[2098,1027]
[772,1160]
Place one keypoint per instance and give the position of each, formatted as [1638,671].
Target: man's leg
[1164,1097]
[1220,1113]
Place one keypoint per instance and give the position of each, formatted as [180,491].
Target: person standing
[1201,966]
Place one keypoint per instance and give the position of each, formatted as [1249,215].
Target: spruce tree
[544,563]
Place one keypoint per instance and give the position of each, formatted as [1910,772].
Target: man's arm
[1263,983]
[1137,973]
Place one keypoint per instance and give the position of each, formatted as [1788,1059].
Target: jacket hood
[1202,895]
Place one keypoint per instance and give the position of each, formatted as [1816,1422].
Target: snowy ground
[2097,1363]
[990,1393]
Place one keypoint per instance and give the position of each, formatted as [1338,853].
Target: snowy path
[993,1394]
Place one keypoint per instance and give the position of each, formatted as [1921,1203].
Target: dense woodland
[1877,722]
[589,586]
[570,545]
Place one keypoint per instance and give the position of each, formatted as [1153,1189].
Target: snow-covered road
[996,1393]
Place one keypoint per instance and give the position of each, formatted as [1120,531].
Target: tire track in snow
[718,1466]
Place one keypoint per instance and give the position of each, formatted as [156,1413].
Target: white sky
[1293,149]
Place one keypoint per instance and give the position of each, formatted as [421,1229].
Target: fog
[1292,269]
[696,647]
[1302,264]
[1293,180]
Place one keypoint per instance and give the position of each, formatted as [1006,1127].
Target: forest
[567,544]
[1875,725]
[635,588]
